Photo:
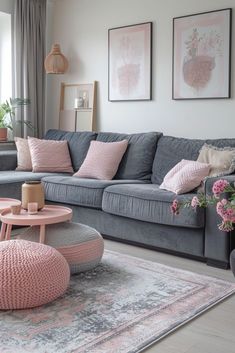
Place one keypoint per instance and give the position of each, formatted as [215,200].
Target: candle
[32,207]
[76,103]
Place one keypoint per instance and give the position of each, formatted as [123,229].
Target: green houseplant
[7,115]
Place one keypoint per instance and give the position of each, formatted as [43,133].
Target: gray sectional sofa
[131,207]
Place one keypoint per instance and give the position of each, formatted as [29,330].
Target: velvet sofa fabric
[171,150]
[138,160]
[149,203]
[78,191]
[131,207]
[78,142]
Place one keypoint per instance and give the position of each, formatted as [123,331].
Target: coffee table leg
[42,234]
[8,232]
[3,231]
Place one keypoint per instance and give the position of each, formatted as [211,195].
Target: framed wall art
[202,55]
[129,62]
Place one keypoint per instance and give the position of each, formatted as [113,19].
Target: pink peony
[219,187]
[194,202]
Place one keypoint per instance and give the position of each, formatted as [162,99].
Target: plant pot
[3,134]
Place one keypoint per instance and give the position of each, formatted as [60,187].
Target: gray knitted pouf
[81,245]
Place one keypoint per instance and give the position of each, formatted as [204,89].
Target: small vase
[33,191]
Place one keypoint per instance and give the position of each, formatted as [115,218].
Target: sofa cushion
[50,156]
[146,202]
[185,176]
[24,161]
[221,160]
[102,160]
[78,143]
[171,150]
[138,158]
[77,191]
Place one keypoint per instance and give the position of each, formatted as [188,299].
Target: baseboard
[219,264]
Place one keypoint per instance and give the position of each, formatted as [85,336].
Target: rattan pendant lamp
[56,62]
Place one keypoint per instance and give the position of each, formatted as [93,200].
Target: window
[5,57]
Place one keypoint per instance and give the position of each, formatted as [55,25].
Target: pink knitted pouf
[31,274]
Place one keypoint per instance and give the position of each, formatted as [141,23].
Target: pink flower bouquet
[224,207]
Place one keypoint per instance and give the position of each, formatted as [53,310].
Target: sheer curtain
[28,61]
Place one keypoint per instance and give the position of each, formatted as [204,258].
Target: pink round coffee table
[7,203]
[48,215]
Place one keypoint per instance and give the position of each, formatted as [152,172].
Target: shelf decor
[78,106]
[202,55]
[129,61]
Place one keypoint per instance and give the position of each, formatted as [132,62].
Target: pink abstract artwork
[130,62]
[201,60]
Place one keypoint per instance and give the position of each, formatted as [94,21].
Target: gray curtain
[29,54]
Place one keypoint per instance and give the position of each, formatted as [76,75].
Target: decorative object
[78,106]
[102,160]
[131,304]
[225,207]
[185,176]
[202,55]
[31,274]
[221,160]
[33,191]
[32,208]
[48,215]
[81,245]
[24,161]
[56,62]
[50,156]
[15,209]
[130,62]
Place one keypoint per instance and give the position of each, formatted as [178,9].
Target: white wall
[7,6]
[81,28]
[5,56]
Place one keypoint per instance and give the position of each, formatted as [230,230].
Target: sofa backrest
[78,142]
[138,158]
[170,151]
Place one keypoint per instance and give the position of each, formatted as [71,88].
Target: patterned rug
[122,306]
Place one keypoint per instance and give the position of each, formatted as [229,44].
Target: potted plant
[3,125]
[7,115]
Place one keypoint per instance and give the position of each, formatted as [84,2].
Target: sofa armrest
[218,244]
[8,160]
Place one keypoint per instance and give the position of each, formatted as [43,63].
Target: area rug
[122,306]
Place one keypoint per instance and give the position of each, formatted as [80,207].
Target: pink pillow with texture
[185,176]
[102,160]
[50,155]
[23,154]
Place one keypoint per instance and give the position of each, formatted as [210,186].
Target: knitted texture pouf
[31,274]
[81,245]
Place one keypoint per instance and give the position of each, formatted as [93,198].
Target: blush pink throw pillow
[102,160]
[185,176]
[50,156]
[23,154]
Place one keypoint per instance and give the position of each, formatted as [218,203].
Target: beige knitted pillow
[221,160]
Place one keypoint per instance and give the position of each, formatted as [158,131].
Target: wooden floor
[213,331]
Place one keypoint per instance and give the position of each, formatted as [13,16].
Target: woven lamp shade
[56,62]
